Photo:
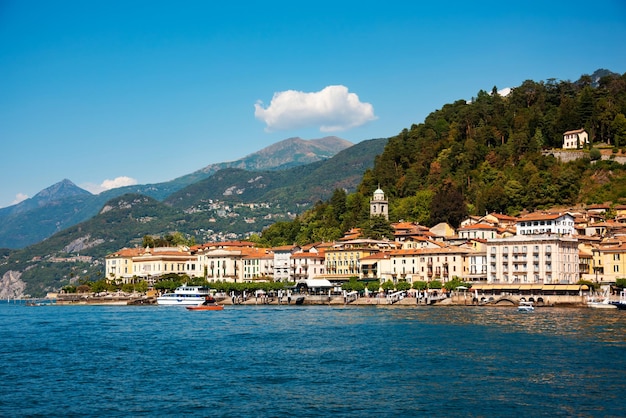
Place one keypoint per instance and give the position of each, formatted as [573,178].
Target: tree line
[491,154]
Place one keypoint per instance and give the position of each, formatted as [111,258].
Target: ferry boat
[525,306]
[185,296]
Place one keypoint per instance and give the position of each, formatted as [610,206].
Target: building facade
[575,139]
[543,259]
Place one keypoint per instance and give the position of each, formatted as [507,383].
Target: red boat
[209,304]
[205,308]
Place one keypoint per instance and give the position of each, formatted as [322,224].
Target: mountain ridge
[64,204]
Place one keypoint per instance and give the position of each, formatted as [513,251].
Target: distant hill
[290,188]
[124,220]
[64,204]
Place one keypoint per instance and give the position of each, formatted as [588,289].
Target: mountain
[65,204]
[49,196]
[234,201]
[292,188]
[49,211]
[291,152]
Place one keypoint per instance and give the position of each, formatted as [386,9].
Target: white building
[547,259]
[546,223]
[282,262]
[575,139]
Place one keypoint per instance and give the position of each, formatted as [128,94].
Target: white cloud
[505,91]
[332,109]
[19,197]
[109,184]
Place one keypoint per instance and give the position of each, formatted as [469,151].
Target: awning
[365,262]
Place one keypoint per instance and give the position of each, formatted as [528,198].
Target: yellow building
[343,260]
[609,261]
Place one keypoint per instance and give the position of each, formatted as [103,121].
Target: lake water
[311,361]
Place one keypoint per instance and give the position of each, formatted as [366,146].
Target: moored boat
[525,306]
[600,303]
[209,305]
[185,296]
[621,303]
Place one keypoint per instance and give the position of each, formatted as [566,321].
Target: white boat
[525,306]
[621,303]
[185,296]
[602,303]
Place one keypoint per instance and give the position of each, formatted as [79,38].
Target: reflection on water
[605,325]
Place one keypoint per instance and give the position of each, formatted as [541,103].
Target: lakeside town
[559,257]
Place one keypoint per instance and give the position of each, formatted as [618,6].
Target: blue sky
[108,93]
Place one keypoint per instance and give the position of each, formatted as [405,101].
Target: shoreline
[317,300]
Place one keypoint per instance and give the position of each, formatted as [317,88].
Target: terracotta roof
[502,217]
[478,226]
[575,131]
[430,251]
[284,248]
[127,252]
[541,216]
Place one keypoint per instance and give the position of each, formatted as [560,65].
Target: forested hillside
[492,154]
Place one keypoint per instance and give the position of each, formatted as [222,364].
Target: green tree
[388,286]
[434,284]
[377,228]
[448,205]
[619,130]
[402,285]
[594,154]
[373,286]
[420,285]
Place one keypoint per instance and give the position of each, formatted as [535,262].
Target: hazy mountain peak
[64,188]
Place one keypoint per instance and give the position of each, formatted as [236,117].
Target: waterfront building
[119,265]
[258,264]
[376,266]
[548,259]
[428,264]
[222,264]
[282,261]
[343,259]
[148,264]
[609,261]
[475,263]
[306,265]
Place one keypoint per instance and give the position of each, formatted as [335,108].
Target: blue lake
[311,361]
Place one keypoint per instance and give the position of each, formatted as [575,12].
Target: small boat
[209,305]
[185,295]
[621,303]
[525,306]
[603,303]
